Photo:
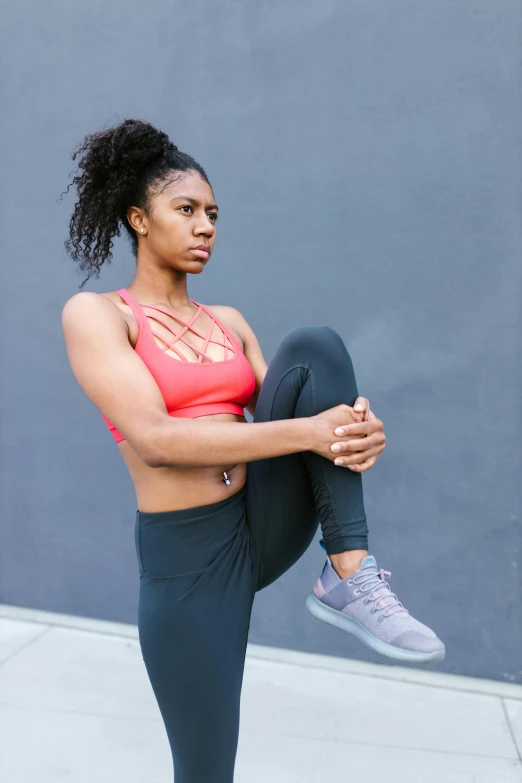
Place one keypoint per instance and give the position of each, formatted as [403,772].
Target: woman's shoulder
[93,296]
[90,303]
[224,312]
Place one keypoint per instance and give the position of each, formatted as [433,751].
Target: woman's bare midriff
[167,489]
[173,488]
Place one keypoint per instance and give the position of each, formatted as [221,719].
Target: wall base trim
[431,679]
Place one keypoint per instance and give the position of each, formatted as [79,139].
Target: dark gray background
[367,160]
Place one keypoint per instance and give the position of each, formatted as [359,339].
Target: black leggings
[200,567]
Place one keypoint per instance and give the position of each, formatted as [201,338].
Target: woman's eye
[186,206]
[213,216]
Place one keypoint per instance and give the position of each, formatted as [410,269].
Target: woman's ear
[137,220]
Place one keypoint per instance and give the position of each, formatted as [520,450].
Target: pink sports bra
[192,388]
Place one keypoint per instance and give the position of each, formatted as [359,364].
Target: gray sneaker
[364,605]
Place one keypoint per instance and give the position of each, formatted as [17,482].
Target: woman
[223,509]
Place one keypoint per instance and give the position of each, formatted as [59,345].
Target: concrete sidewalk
[76,705]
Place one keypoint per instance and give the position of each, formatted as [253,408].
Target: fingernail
[358,407]
[336,447]
[351,467]
[339,431]
[338,462]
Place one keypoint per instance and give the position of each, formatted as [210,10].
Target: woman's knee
[319,338]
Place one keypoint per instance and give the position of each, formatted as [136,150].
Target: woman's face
[180,229]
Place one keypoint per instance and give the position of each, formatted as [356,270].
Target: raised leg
[287,497]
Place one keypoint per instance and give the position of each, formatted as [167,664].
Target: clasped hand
[363,438]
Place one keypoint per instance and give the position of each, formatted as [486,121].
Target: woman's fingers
[363,466]
[369,441]
[362,405]
[361,428]
[360,444]
[359,458]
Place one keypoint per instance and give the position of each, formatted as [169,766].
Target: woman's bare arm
[120,385]
[197,443]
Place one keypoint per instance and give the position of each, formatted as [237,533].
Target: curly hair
[119,167]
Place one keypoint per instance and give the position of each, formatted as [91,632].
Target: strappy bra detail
[189,393]
[188,327]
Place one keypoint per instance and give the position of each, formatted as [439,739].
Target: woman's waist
[180,488]
[182,541]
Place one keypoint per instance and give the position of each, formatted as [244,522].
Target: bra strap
[133,304]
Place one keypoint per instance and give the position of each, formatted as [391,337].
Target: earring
[142,230]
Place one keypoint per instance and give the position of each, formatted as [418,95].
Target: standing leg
[197,583]
[287,497]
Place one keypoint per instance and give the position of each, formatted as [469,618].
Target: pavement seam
[336,740]
[27,644]
[511,730]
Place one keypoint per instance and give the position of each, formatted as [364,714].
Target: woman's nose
[205,228]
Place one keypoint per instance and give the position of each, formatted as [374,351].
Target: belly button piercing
[226,478]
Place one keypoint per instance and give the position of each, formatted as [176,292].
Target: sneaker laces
[373,584]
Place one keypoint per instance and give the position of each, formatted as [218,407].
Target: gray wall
[367,160]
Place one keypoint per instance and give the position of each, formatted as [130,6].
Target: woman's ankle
[346,563]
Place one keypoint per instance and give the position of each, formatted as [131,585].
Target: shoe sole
[333,617]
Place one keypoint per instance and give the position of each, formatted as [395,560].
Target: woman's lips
[202,251]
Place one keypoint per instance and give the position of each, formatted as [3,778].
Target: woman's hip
[185,546]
